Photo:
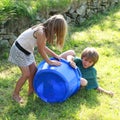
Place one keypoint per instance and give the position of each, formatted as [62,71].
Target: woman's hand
[57,57]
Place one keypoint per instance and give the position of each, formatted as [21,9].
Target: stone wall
[77,13]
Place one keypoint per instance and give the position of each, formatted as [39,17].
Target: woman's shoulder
[39,32]
[39,29]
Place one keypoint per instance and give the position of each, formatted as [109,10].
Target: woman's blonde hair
[56,25]
[90,53]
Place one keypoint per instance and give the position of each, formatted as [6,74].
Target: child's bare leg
[66,53]
[33,70]
[20,83]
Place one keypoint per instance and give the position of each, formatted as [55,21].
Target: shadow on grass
[39,110]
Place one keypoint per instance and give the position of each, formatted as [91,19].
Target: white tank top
[27,40]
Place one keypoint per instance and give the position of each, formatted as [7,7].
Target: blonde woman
[21,52]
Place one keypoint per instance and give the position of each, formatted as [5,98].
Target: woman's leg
[66,53]
[33,70]
[25,75]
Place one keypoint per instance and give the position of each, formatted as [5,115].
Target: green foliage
[11,9]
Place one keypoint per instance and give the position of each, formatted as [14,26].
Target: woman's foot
[17,98]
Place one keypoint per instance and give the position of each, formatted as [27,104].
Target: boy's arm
[105,91]
[70,58]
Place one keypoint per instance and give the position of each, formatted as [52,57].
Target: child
[89,57]
[21,52]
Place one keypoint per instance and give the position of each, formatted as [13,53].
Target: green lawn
[101,32]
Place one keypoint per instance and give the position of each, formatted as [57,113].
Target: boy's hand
[110,93]
[105,91]
[73,64]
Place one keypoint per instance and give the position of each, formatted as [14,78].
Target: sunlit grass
[104,35]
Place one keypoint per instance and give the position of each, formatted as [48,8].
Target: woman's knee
[26,75]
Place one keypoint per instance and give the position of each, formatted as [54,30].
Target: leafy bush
[10,9]
[13,9]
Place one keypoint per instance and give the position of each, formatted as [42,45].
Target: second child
[89,58]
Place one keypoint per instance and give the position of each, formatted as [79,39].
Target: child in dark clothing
[89,57]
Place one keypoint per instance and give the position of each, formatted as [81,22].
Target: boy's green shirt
[90,74]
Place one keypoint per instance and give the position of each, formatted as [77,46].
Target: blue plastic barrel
[56,83]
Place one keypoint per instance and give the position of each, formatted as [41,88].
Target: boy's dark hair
[90,53]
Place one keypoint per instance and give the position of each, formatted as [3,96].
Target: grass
[101,32]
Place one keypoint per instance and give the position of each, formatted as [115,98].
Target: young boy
[89,58]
